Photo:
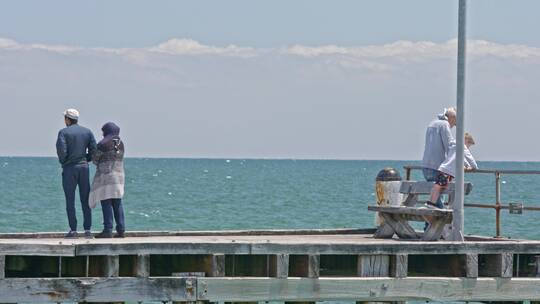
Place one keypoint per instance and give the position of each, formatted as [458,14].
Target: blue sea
[215,194]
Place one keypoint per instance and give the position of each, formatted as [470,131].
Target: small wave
[228,177]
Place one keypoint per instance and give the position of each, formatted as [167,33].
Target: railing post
[498,204]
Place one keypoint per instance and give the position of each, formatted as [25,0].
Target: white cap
[71,113]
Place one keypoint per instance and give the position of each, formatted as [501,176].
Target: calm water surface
[204,194]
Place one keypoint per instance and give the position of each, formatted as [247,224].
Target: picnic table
[396,218]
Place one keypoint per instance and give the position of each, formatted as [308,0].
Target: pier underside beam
[96,290]
[368,289]
[250,289]
[2,266]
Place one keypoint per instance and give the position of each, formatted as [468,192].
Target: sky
[268,79]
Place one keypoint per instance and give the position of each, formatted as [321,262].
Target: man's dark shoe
[71,235]
[119,235]
[104,235]
[88,234]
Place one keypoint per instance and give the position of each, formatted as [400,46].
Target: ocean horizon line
[272,158]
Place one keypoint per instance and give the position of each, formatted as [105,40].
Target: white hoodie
[449,164]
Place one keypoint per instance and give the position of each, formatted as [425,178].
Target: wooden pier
[274,265]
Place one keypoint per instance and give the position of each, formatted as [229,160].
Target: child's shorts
[443,179]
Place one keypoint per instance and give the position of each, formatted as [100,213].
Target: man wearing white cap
[75,146]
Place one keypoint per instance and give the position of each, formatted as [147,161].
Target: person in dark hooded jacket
[108,184]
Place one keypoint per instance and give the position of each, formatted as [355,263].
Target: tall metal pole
[457,223]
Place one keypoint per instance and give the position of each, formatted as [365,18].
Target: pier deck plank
[257,244]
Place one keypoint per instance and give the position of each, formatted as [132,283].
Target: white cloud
[192,47]
[7,44]
[401,50]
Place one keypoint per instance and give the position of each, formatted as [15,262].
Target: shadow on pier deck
[273,265]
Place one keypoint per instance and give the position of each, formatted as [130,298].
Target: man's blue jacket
[75,145]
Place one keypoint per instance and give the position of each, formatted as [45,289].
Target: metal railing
[498,206]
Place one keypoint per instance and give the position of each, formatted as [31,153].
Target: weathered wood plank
[96,290]
[218,265]
[411,200]
[384,231]
[368,289]
[2,266]
[401,226]
[301,247]
[260,232]
[164,248]
[373,266]
[421,187]
[471,266]
[399,265]
[436,228]
[142,266]
[412,211]
[21,248]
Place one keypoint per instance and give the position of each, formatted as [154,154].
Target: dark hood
[110,131]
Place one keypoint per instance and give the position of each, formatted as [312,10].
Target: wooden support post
[314,265]
[496,265]
[537,265]
[399,265]
[471,265]
[2,266]
[111,266]
[217,268]
[142,266]
[279,266]
[506,264]
[305,266]
[218,265]
[373,265]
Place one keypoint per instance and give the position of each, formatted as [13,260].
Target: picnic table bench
[396,218]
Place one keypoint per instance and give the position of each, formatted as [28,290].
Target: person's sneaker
[119,235]
[104,235]
[88,234]
[71,235]
[431,205]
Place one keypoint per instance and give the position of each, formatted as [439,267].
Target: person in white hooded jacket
[448,167]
